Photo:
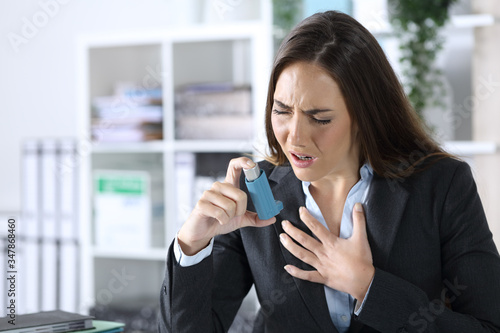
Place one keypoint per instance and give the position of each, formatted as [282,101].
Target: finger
[312,276]
[234,170]
[301,237]
[298,251]
[218,199]
[208,209]
[235,194]
[318,229]
[359,221]
[254,221]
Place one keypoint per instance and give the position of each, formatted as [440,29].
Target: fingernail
[282,237]
[250,163]
[358,207]
[302,209]
[287,268]
[284,224]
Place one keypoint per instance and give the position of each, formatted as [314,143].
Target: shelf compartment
[212,81]
[125,93]
[152,165]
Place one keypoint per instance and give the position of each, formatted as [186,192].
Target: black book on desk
[47,322]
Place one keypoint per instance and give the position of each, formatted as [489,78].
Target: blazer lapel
[356,325]
[384,209]
[289,190]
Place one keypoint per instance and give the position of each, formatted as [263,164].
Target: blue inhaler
[261,194]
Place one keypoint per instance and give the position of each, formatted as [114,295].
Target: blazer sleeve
[470,297]
[205,297]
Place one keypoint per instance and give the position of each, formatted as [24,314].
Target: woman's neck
[335,186]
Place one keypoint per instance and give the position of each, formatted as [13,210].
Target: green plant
[417,24]
[286,14]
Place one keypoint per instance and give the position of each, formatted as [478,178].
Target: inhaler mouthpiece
[261,194]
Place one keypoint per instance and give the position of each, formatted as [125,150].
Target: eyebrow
[309,112]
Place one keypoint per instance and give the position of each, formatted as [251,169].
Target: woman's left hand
[342,264]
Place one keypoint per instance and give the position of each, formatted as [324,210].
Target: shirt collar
[366,172]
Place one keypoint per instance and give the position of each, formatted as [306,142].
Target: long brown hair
[391,136]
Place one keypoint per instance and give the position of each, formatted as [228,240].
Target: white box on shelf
[122,209]
[185,172]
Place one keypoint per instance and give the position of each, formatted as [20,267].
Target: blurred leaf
[418,24]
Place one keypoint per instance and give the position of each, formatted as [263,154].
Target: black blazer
[437,268]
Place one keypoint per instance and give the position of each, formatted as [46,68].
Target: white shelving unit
[239,52]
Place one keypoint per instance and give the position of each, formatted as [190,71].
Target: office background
[54,52]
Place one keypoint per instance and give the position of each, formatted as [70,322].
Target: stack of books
[215,110]
[57,322]
[130,115]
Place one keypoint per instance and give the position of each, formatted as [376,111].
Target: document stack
[57,321]
[213,111]
[133,114]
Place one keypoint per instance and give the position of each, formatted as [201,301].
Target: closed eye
[316,120]
[321,121]
[278,112]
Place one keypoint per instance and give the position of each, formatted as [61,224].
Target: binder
[49,253]
[68,266]
[29,233]
[49,247]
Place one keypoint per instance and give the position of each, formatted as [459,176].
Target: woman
[381,230]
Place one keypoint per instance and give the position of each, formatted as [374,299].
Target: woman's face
[312,125]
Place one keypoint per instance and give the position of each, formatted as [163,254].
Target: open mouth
[302,157]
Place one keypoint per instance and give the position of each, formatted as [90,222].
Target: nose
[298,131]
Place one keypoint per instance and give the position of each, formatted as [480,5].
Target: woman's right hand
[220,210]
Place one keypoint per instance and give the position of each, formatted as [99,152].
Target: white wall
[37,78]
